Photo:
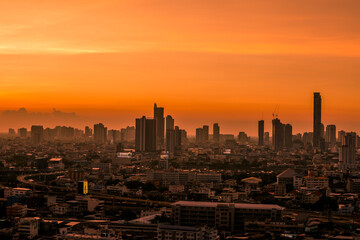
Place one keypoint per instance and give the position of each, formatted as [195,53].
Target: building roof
[252,180]
[288,173]
[236,205]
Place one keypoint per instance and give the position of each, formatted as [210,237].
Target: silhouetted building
[100,133]
[331,135]
[216,133]
[37,134]
[170,140]
[206,133]
[88,132]
[347,152]
[169,122]
[145,135]
[243,138]
[288,135]
[127,134]
[199,135]
[159,117]
[177,138]
[261,133]
[277,134]
[317,120]
[22,132]
[340,135]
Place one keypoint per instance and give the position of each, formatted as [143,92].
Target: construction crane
[276,111]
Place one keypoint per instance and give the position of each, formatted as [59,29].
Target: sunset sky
[204,61]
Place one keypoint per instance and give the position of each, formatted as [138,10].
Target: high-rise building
[37,134]
[169,122]
[317,120]
[177,138]
[277,134]
[216,133]
[88,132]
[331,135]
[340,135]
[347,152]
[100,133]
[261,133]
[127,134]
[184,140]
[288,135]
[206,133]
[170,140]
[145,135]
[159,117]
[199,135]
[22,132]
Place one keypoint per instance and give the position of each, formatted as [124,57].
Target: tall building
[347,152]
[88,132]
[216,133]
[177,138]
[170,140]
[261,133]
[37,134]
[145,135]
[199,135]
[317,120]
[22,132]
[160,122]
[100,133]
[206,133]
[331,135]
[277,134]
[288,135]
[169,122]
[340,135]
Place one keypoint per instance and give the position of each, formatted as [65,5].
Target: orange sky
[205,61]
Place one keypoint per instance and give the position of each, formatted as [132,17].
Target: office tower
[37,134]
[206,133]
[216,133]
[100,133]
[331,135]
[277,134]
[199,135]
[170,140]
[184,140]
[88,132]
[267,138]
[49,134]
[261,133]
[169,122]
[177,138]
[127,134]
[22,132]
[145,135]
[317,120]
[288,135]
[159,117]
[340,135]
[347,152]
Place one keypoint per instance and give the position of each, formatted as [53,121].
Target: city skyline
[196,61]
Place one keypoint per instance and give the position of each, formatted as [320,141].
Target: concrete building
[229,216]
[145,137]
[261,133]
[317,120]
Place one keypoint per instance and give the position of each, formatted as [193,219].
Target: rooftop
[236,205]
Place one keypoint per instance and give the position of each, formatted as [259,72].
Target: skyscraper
[288,135]
[145,135]
[169,122]
[216,133]
[37,134]
[159,117]
[347,152]
[261,133]
[331,135]
[317,120]
[100,133]
[277,134]
[206,133]
[199,135]
[170,140]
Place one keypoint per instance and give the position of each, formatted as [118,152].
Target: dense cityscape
[152,181]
